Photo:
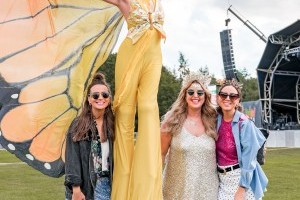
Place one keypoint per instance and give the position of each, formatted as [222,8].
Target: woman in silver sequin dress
[188,139]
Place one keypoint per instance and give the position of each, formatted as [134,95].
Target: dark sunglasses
[96,95]
[191,92]
[231,96]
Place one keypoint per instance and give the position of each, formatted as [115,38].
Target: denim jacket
[248,140]
[79,167]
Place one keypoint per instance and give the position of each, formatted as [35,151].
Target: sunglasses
[231,96]
[96,95]
[191,92]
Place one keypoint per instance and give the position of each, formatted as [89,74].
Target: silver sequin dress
[191,170]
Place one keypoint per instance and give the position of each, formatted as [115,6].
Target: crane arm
[249,25]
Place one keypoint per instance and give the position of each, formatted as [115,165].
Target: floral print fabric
[139,20]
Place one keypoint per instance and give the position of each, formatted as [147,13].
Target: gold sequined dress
[191,170]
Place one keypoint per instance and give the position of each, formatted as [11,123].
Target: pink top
[225,145]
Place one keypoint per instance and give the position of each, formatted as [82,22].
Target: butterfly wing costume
[48,51]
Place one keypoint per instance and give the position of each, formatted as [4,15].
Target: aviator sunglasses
[231,96]
[96,95]
[191,92]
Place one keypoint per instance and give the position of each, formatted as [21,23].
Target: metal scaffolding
[281,59]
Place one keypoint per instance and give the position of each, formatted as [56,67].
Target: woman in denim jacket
[89,153]
[239,140]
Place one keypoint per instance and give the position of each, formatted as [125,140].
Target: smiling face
[195,96]
[99,97]
[228,99]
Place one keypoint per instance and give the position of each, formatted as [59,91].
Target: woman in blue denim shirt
[239,140]
[88,164]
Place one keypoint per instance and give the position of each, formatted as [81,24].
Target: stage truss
[282,57]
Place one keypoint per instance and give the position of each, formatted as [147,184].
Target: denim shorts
[103,189]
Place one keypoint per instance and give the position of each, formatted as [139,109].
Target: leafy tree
[205,70]
[250,86]
[169,88]
[183,66]
[251,89]
[213,80]
[244,72]
[108,69]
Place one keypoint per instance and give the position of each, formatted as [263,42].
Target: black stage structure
[278,76]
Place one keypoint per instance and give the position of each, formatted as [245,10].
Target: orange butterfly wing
[49,50]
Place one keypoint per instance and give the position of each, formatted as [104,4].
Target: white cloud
[193,27]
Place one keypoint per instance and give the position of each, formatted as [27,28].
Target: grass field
[19,181]
[283,170]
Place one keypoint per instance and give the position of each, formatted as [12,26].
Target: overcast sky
[193,27]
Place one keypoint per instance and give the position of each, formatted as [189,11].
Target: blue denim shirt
[248,140]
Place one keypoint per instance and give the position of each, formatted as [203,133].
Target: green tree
[251,89]
[205,70]
[250,85]
[169,88]
[183,66]
[108,69]
[244,72]
[213,80]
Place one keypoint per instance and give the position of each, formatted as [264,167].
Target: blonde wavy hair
[173,120]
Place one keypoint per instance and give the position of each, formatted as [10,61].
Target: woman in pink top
[241,176]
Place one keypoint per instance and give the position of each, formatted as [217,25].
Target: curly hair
[85,120]
[174,119]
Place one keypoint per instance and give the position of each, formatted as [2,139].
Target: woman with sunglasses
[89,155]
[241,176]
[188,137]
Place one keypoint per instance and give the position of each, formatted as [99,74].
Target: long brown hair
[85,120]
[175,117]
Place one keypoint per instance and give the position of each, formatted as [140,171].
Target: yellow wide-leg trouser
[137,168]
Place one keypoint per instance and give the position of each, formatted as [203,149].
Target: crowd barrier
[284,138]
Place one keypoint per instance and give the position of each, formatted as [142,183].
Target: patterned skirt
[229,184]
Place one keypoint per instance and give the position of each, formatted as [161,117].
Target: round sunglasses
[96,95]
[192,92]
[231,96]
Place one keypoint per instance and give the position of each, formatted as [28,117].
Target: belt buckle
[224,171]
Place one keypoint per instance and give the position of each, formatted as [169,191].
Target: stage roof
[281,70]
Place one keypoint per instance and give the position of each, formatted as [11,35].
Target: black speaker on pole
[227,54]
